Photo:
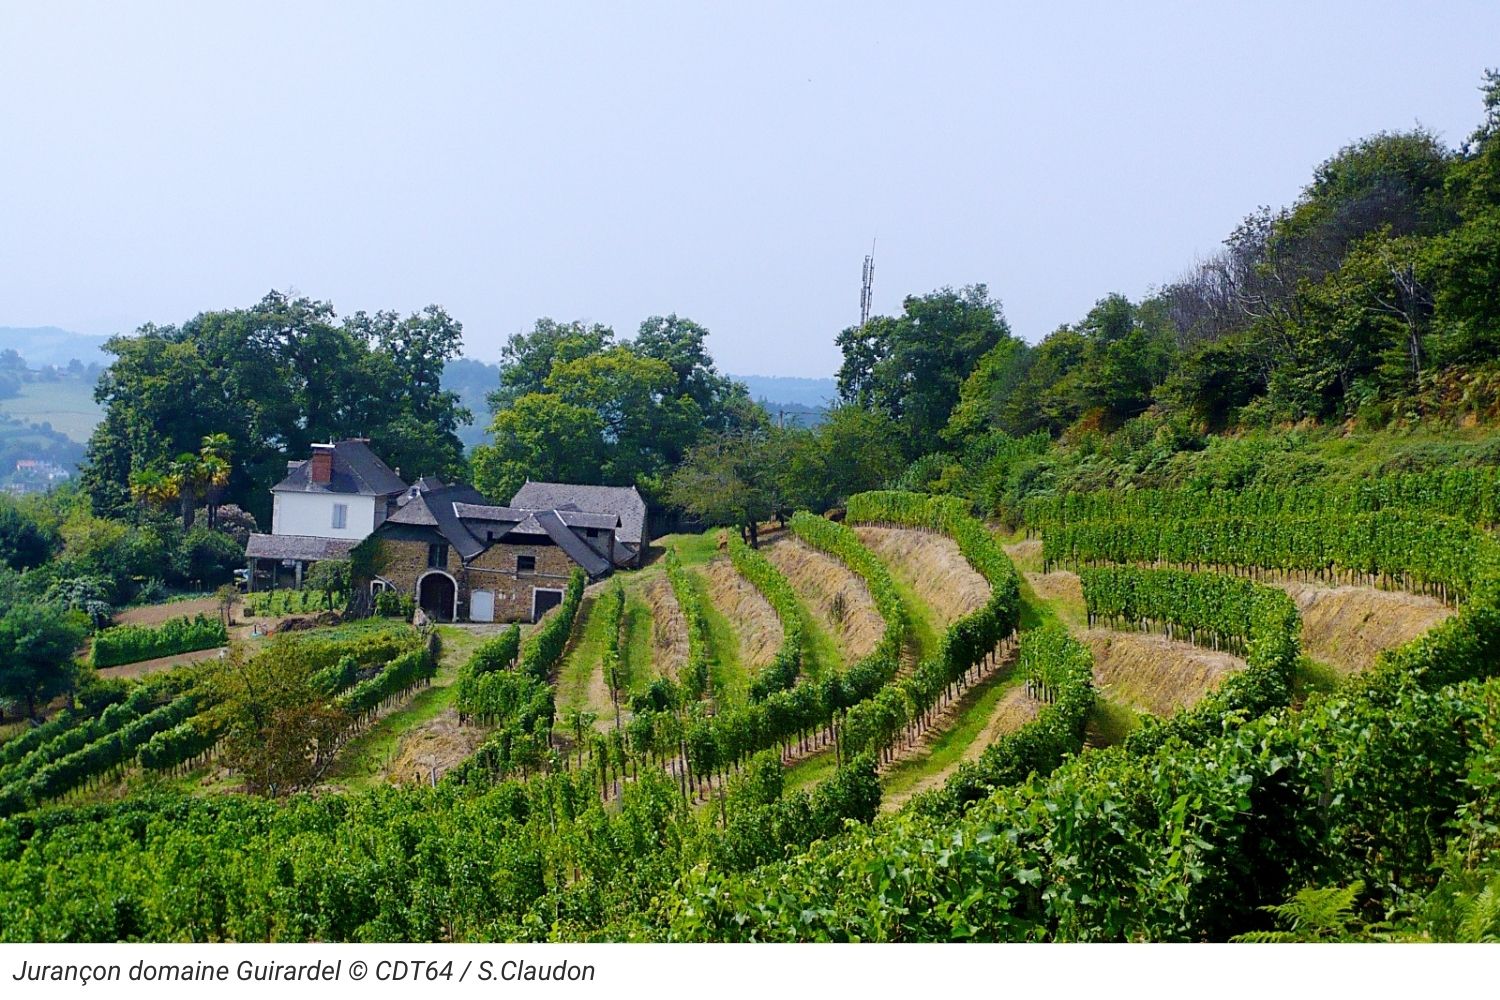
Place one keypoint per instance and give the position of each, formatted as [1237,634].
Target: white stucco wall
[312,514]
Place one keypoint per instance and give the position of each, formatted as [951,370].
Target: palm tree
[214,459]
[153,488]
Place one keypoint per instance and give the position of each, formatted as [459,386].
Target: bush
[393,604]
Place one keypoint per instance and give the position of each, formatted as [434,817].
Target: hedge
[133,643]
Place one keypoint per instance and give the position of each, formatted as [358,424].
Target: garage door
[543,601]
[482,606]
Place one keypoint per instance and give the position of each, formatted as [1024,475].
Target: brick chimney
[321,470]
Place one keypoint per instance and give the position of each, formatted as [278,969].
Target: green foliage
[182,743]
[394,604]
[696,673]
[1314,915]
[275,603]
[400,675]
[1259,621]
[910,367]
[1419,552]
[1059,670]
[274,378]
[781,673]
[132,643]
[36,653]
[543,648]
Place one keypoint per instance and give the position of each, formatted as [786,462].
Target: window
[592,532]
[437,555]
[525,564]
[340,515]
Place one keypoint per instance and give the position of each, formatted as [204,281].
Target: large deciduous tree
[274,378]
[910,367]
[36,654]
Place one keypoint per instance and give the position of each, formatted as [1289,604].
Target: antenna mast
[866,286]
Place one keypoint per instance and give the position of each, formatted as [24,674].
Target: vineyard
[730,798]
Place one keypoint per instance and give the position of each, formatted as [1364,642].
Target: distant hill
[809,392]
[49,345]
[799,402]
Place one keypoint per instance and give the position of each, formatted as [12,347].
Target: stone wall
[495,570]
[405,563]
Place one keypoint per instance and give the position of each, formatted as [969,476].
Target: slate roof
[571,517]
[435,509]
[356,469]
[622,501]
[309,548]
[577,549]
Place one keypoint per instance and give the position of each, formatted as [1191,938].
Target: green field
[67,405]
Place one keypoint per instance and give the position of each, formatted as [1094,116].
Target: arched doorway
[437,595]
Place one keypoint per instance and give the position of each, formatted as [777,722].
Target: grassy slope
[363,761]
[577,686]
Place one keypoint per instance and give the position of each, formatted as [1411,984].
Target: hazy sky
[727,162]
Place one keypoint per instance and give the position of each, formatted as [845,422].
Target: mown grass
[1313,677]
[728,673]
[810,771]
[947,750]
[363,760]
[1110,722]
[820,651]
[639,628]
[584,658]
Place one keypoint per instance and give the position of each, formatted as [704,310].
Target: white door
[482,606]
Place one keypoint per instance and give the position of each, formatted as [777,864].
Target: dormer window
[592,532]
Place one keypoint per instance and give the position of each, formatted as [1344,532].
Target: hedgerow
[133,643]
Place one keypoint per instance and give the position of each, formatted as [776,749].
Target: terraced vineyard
[715,719]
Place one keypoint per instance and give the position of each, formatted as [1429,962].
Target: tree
[540,437]
[261,385]
[528,358]
[728,479]
[853,450]
[986,393]
[24,542]
[279,729]
[331,576]
[37,643]
[910,367]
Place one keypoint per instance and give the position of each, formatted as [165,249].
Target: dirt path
[1014,709]
[836,597]
[934,567]
[155,614]
[1153,674]
[669,643]
[754,620]
[1349,627]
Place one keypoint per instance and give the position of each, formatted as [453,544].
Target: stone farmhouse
[462,557]
[326,505]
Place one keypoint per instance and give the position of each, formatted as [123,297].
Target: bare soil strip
[834,595]
[754,620]
[934,567]
[142,668]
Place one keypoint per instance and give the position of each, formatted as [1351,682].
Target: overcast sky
[732,164]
